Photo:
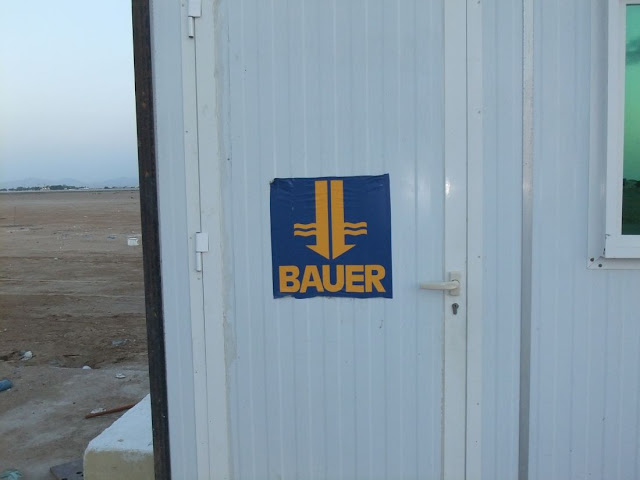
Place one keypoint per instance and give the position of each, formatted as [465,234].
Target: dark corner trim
[151,236]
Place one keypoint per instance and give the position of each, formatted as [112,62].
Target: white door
[341,388]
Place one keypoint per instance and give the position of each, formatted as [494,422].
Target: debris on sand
[5,384]
[11,474]
[120,376]
[68,471]
[26,355]
[98,412]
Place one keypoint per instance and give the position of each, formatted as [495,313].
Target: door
[342,387]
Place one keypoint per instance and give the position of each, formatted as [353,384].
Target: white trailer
[499,339]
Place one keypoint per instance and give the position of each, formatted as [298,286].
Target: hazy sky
[66,90]
[632,94]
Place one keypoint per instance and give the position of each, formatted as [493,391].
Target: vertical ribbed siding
[336,388]
[585,324]
[502,121]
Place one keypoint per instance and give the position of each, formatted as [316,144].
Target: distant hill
[116,182]
[119,182]
[27,182]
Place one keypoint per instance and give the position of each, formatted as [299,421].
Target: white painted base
[125,449]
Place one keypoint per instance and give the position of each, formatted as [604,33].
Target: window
[622,238]
[631,145]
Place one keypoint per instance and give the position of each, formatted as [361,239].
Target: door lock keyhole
[454,308]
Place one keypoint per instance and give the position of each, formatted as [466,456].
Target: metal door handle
[452,286]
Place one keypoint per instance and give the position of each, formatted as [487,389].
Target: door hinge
[202,246]
[194,10]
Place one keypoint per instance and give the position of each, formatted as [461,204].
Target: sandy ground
[72,293]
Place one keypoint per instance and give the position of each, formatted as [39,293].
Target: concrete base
[125,449]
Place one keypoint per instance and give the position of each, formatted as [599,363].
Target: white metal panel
[178,215]
[455,234]
[502,210]
[475,236]
[212,151]
[336,388]
[585,324]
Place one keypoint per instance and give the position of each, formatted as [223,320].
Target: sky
[632,96]
[66,90]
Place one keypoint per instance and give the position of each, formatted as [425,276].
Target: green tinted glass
[631,182]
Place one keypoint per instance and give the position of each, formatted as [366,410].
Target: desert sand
[72,294]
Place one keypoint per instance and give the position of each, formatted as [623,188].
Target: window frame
[617,245]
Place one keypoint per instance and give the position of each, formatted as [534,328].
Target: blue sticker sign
[331,237]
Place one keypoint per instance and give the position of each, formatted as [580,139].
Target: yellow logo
[338,210]
[320,228]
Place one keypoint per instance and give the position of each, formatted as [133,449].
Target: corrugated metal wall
[502,59]
[502,65]
[585,360]
[336,388]
[585,370]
